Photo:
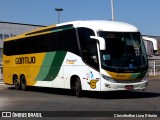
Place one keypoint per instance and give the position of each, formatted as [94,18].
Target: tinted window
[56,41]
[88,47]
[69,41]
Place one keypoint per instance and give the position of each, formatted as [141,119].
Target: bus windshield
[125,52]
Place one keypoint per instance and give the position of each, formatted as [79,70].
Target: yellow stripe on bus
[120,76]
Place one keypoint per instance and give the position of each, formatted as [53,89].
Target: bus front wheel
[78,88]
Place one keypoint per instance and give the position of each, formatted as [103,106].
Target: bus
[93,55]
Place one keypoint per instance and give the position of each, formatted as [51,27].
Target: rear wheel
[17,85]
[78,88]
[23,83]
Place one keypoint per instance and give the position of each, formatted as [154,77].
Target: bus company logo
[6,114]
[25,60]
[120,76]
[92,83]
[7,61]
[71,61]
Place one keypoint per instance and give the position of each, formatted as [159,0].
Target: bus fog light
[107,85]
[145,78]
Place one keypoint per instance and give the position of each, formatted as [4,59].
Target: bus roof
[104,25]
[96,25]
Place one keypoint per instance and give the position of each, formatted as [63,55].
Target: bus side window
[69,41]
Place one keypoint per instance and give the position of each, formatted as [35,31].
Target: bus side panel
[51,71]
[74,66]
[27,65]
[8,72]
[59,80]
[80,71]
[7,76]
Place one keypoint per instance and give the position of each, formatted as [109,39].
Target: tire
[17,85]
[78,88]
[23,83]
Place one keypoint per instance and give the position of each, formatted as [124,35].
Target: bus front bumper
[108,86]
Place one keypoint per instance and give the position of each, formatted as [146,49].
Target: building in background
[153,57]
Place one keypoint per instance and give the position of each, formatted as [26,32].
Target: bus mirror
[153,41]
[101,41]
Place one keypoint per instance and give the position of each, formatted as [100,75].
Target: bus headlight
[108,78]
[145,78]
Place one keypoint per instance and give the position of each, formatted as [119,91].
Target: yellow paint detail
[93,83]
[41,28]
[71,61]
[119,76]
[30,70]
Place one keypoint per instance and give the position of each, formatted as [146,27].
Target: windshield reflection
[124,52]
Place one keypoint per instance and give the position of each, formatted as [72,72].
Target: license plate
[129,87]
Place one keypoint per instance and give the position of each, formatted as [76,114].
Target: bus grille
[127,81]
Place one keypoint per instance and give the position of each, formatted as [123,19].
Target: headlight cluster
[108,78]
[145,77]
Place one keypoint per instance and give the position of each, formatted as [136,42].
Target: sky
[144,14]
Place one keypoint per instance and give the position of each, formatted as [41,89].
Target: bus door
[90,56]
[94,80]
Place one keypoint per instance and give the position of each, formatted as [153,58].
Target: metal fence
[154,68]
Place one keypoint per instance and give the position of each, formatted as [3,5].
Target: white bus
[93,55]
